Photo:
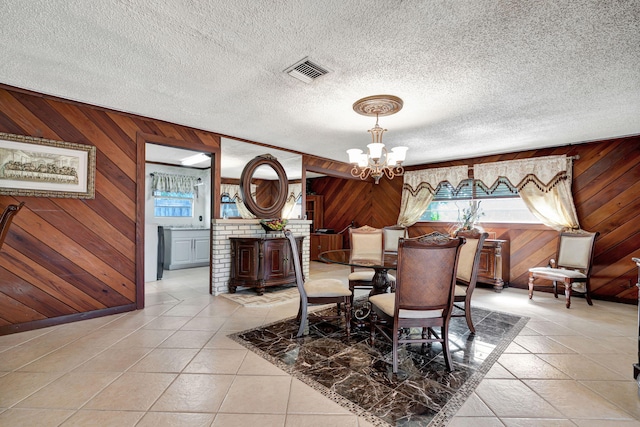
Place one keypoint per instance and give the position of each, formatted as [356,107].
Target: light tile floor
[171,364]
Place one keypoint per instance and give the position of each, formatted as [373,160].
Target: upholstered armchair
[573,266]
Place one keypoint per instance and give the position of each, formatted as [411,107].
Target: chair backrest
[295,257]
[427,272]
[469,258]
[366,242]
[575,250]
[5,221]
[391,235]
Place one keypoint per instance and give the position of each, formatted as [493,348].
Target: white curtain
[544,184]
[295,192]
[174,183]
[419,189]
[233,191]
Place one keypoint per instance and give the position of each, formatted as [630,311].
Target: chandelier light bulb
[375,150]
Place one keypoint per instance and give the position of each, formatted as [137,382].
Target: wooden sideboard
[259,262]
[494,264]
[323,242]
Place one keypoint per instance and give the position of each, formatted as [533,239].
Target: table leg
[380,282]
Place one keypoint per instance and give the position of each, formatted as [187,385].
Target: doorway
[166,157]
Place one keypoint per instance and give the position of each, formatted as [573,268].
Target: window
[169,204]
[228,208]
[500,203]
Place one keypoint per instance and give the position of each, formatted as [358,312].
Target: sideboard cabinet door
[258,262]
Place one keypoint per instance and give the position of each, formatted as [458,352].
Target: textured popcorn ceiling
[477,77]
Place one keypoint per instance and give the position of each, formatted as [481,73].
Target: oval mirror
[269,202]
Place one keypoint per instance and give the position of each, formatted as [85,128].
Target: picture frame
[38,167]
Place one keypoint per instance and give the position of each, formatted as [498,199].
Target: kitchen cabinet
[494,264]
[259,262]
[323,242]
[186,248]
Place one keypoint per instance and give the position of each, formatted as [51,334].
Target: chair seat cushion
[461,291]
[367,276]
[386,303]
[326,288]
[560,273]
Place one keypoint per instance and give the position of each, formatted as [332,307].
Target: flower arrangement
[273,224]
[470,216]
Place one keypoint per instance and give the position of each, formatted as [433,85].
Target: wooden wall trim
[45,323]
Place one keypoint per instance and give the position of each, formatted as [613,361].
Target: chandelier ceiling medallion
[378,161]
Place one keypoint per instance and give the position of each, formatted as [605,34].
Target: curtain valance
[542,172]
[428,179]
[233,191]
[295,192]
[420,187]
[543,183]
[174,183]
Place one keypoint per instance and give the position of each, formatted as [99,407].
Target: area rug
[272,296]
[359,377]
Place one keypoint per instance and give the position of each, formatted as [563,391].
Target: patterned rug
[358,376]
[272,296]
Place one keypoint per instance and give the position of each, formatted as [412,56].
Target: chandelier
[378,161]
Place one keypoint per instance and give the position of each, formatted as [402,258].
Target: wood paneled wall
[68,259]
[606,190]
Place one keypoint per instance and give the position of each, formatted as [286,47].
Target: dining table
[380,264]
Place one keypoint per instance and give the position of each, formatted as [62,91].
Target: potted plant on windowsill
[469,217]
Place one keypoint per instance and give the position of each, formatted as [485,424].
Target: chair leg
[372,327]
[396,332]
[555,289]
[467,315]
[352,288]
[445,346]
[347,317]
[531,286]
[303,319]
[567,294]
[588,297]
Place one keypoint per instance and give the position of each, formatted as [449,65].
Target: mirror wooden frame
[275,210]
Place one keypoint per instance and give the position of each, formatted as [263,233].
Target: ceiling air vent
[306,70]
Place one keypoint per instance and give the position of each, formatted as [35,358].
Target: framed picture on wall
[46,168]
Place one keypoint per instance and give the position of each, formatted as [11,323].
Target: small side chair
[573,268]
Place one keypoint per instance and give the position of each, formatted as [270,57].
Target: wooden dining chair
[320,291]
[5,220]
[467,272]
[424,294]
[391,235]
[573,266]
[366,243]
